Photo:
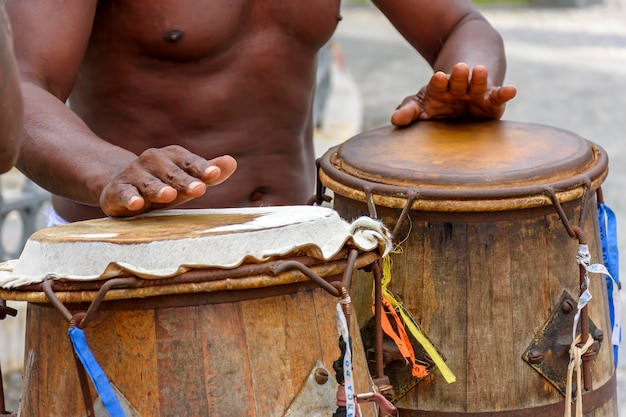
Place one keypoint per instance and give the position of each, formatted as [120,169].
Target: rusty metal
[52,298]
[110,284]
[314,398]
[535,357]
[383,385]
[584,315]
[592,400]
[576,231]
[548,353]
[378,311]
[369,197]
[6,310]
[284,266]
[411,197]
[321,376]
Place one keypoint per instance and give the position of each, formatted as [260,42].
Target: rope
[575,365]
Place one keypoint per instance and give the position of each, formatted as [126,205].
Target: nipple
[174,35]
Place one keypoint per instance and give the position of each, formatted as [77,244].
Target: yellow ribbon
[412,325]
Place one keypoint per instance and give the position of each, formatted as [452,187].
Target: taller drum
[488,218]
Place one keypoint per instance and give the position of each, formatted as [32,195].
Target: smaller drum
[192,312]
[486,216]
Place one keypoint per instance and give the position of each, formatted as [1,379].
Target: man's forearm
[10,99]
[61,154]
[474,42]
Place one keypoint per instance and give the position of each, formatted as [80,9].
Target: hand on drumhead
[161,178]
[455,95]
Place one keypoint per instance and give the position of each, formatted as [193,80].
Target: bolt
[321,376]
[567,306]
[535,357]
[598,335]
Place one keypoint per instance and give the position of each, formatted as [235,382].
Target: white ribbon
[342,327]
[584,259]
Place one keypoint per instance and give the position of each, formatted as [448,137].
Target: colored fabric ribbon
[412,327]
[96,374]
[608,238]
[352,406]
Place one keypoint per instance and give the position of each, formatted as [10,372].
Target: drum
[228,312]
[488,218]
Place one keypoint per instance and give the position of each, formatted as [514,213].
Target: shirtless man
[10,98]
[167,98]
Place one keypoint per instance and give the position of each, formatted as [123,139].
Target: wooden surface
[481,276]
[248,358]
[481,291]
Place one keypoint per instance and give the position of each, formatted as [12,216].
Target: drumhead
[464,165]
[168,243]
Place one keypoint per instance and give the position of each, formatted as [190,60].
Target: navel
[174,36]
[257,195]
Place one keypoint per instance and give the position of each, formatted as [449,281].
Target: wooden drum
[487,218]
[192,312]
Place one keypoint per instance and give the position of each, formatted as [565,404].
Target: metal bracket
[548,353]
[317,397]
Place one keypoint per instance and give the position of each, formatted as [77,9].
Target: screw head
[321,376]
[535,357]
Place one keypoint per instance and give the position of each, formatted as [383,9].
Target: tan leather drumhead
[463,160]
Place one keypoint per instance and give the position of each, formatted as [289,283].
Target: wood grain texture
[246,358]
[481,290]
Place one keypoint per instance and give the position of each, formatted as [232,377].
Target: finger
[119,200]
[438,84]
[220,169]
[459,79]
[211,172]
[478,82]
[499,96]
[508,92]
[407,112]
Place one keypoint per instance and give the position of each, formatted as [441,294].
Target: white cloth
[53,218]
[167,243]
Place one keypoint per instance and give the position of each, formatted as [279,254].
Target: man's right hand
[161,178]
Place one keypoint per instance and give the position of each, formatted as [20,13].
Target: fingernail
[210,170]
[195,184]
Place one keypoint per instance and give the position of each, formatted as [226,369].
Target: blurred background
[567,59]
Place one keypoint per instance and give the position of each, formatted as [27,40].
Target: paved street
[569,66]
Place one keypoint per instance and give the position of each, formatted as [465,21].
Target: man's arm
[11,106]
[59,151]
[464,50]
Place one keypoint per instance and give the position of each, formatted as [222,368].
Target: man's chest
[197,28]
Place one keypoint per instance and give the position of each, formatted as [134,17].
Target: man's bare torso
[216,77]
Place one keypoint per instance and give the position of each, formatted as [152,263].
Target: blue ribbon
[610,253]
[95,372]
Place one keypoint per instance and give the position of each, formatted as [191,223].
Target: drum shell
[481,267]
[237,353]
[481,289]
